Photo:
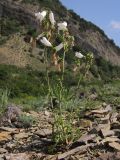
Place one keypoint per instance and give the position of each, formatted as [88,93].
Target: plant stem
[62,81]
[47,75]
[63,66]
[80,79]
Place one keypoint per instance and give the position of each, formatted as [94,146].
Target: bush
[9,26]
[22,82]
[27,121]
[106,70]
[3,39]
[4,94]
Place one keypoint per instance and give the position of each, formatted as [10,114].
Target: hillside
[57,100]
[88,36]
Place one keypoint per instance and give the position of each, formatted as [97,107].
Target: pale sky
[103,13]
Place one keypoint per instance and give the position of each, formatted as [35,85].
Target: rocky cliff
[14,10]
[88,36]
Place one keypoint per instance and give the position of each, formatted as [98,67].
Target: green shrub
[27,120]
[4,94]
[9,26]
[106,70]
[22,82]
[3,39]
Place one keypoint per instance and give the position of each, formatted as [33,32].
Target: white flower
[41,15]
[59,47]
[62,26]
[45,42]
[51,17]
[79,55]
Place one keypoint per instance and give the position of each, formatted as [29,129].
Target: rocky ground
[28,141]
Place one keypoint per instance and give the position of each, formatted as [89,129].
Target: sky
[103,13]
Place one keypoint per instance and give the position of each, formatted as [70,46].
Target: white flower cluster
[79,55]
[40,16]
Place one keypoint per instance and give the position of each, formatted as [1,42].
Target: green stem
[63,66]
[47,75]
[62,81]
[80,79]
[78,85]
[60,96]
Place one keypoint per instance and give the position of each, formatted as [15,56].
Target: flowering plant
[50,32]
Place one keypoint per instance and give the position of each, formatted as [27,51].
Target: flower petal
[44,13]
[62,26]
[79,55]
[45,42]
[41,15]
[51,17]
[59,47]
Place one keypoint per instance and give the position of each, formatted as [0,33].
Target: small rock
[2,157]
[115,125]
[105,119]
[13,112]
[10,145]
[21,136]
[93,131]
[109,156]
[103,157]
[104,104]
[37,156]
[33,129]
[2,150]
[108,107]
[101,112]
[115,145]
[107,133]
[118,117]
[117,132]
[19,156]
[5,136]
[96,113]
[113,117]
[110,139]
[47,113]
[85,138]
[85,123]
[43,132]
[104,126]
[8,129]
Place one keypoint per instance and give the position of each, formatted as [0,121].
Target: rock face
[11,115]
[90,39]
[15,10]
[100,141]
